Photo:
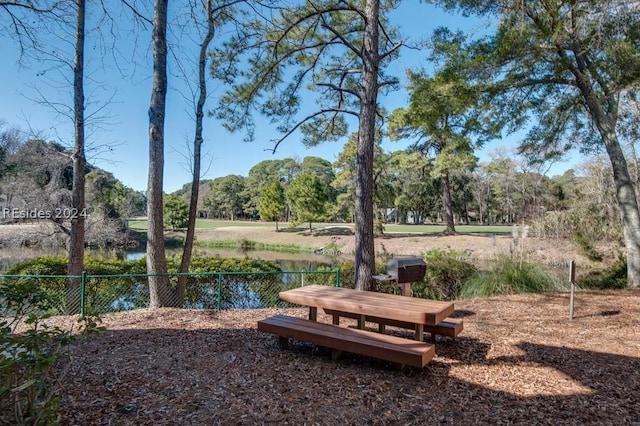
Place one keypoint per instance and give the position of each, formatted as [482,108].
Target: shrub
[28,358]
[445,275]
[511,276]
[613,278]
[45,265]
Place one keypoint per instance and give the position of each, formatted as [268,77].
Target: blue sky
[123,137]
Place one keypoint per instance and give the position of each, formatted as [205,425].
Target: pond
[288,261]
[209,291]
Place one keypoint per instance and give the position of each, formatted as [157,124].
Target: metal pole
[338,277]
[572,280]
[83,278]
[219,290]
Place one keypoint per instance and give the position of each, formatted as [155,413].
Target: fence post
[83,299]
[219,290]
[338,277]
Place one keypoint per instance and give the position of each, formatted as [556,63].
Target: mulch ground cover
[519,360]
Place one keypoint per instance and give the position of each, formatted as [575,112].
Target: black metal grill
[406,269]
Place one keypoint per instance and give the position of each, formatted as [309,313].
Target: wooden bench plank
[449,327]
[362,342]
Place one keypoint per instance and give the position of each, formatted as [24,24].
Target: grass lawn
[141,225]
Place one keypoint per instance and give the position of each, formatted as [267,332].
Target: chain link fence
[99,294]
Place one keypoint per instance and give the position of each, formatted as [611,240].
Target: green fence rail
[98,294]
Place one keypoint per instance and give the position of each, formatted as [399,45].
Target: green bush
[511,276]
[28,358]
[45,265]
[57,265]
[445,275]
[613,278]
[347,273]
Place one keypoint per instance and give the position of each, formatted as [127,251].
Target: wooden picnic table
[367,304]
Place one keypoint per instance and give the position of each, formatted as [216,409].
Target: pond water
[288,261]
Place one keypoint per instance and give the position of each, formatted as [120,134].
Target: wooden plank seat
[338,339]
[449,327]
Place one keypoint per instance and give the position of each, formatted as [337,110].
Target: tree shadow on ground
[240,376]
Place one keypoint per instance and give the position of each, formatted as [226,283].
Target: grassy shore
[391,228]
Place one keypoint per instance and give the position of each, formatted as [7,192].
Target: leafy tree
[443,114]
[323,169]
[272,202]
[337,49]
[128,201]
[501,172]
[176,212]
[344,182]
[567,62]
[307,195]
[461,194]
[228,195]
[101,194]
[262,175]
[320,167]
[416,190]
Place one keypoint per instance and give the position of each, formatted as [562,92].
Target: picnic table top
[382,305]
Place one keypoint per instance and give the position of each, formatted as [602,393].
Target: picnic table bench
[338,339]
[387,309]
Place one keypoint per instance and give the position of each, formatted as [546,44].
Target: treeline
[503,190]
[36,179]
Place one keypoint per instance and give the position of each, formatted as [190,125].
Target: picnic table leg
[284,342]
[361,322]
[420,332]
[313,313]
[336,319]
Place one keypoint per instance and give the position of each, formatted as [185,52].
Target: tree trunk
[448,203]
[467,219]
[627,201]
[76,242]
[159,291]
[197,156]
[364,239]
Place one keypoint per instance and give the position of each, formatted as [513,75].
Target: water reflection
[287,261]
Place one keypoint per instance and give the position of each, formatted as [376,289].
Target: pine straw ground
[520,360]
